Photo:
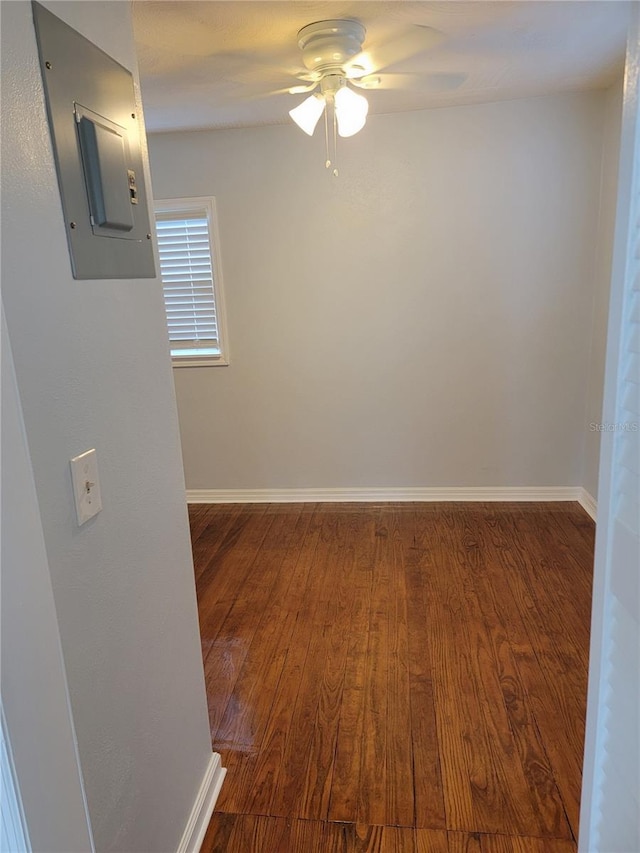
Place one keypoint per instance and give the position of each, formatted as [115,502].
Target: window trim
[208,204]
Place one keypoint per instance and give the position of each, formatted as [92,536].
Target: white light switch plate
[86,485]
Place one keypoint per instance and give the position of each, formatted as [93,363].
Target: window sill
[199,362]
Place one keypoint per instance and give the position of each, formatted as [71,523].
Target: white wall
[604,254]
[34,687]
[92,369]
[611,775]
[424,320]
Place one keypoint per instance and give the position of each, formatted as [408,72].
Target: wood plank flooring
[395,677]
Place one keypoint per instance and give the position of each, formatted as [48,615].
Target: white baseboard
[196,827]
[472,493]
[588,503]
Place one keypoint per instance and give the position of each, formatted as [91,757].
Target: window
[191,280]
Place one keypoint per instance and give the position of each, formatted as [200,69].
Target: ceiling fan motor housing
[328,45]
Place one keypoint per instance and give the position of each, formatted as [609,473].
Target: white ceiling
[213,64]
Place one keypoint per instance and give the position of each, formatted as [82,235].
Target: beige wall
[424,320]
[604,254]
[92,370]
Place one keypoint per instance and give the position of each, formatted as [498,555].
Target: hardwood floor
[395,677]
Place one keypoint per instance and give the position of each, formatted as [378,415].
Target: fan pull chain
[331,151]
[327,163]
[335,142]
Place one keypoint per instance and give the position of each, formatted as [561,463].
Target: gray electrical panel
[96,142]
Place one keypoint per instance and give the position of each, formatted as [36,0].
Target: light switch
[86,485]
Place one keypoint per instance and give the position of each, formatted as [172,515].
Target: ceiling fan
[336,63]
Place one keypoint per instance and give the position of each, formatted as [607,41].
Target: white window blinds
[189,279]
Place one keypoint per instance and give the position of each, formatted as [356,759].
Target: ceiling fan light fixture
[351,111]
[307,114]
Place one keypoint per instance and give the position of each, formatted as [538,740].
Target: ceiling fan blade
[376,57]
[411,81]
[253,92]
[299,90]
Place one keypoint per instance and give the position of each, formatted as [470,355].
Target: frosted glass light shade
[351,111]
[307,114]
